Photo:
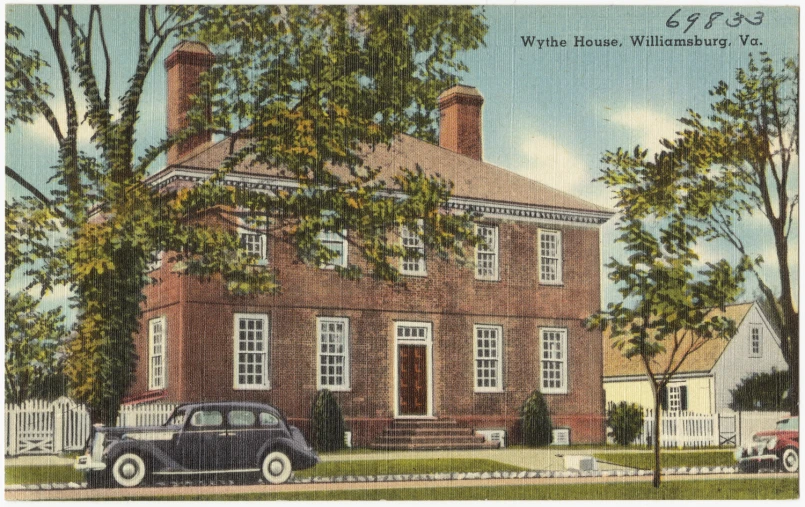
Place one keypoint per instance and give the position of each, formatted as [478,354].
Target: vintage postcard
[400,252]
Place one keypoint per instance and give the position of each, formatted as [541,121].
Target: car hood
[136,430]
[780,434]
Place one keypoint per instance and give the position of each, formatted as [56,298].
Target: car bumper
[755,461]
[86,464]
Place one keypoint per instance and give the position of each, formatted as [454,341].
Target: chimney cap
[457,93]
[191,46]
[192,52]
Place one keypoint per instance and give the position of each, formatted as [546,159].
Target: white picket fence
[43,427]
[681,429]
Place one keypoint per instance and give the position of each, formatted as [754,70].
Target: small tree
[762,391]
[328,422]
[536,421]
[626,421]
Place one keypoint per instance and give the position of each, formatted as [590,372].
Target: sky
[549,113]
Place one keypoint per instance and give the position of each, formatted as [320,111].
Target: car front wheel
[129,470]
[276,468]
[789,460]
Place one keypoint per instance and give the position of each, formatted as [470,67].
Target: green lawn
[669,459]
[38,474]
[760,489]
[405,466]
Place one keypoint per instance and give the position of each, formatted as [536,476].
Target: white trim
[344,248]
[422,266]
[759,327]
[563,389]
[152,384]
[494,250]
[559,256]
[499,388]
[427,342]
[266,363]
[346,386]
[263,256]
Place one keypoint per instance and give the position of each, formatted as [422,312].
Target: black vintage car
[237,438]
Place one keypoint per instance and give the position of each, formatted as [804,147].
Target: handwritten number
[738,17]
[692,20]
[758,19]
[671,22]
[714,16]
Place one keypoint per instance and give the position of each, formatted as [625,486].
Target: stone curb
[444,476]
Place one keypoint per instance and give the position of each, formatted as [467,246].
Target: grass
[669,459]
[761,489]
[39,474]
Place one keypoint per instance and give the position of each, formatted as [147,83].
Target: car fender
[299,456]
[153,456]
[785,443]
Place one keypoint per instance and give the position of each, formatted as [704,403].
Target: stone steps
[439,434]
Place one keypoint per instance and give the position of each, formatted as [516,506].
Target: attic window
[755,342]
[254,244]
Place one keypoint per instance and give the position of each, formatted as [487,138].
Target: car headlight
[771,443]
[739,453]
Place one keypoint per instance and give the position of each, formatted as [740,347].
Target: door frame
[428,344]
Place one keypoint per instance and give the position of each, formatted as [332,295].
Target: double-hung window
[251,348]
[550,257]
[755,342]
[554,360]
[157,343]
[488,349]
[414,262]
[337,242]
[254,243]
[333,353]
[486,253]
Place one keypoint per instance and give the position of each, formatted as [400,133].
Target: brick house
[457,343]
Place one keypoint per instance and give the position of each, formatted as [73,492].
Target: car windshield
[788,424]
[177,418]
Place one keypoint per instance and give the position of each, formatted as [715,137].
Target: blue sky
[549,113]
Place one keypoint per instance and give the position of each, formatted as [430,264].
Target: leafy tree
[667,309]
[626,421]
[762,391]
[739,161]
[328,422]
[536,421]
[305,89]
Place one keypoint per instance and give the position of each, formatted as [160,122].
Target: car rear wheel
[276,468]
[789,460]
[129,470]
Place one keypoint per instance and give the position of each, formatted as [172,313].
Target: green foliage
[762,391]
[626,421]
[328,422]
[535,419]
[305,89]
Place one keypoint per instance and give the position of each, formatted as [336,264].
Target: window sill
[554,391]
[417,275]
[479,279]
[552,284]
[334,389]
[252,388]
[489,391]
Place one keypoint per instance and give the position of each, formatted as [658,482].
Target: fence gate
[727,430]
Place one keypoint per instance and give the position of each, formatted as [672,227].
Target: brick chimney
[184,66]
[460,123]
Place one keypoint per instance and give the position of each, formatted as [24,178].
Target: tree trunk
[656,481]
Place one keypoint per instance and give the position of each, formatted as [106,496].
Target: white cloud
[647,126]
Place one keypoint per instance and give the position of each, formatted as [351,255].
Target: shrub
[536,421]
[328,422]
[762,391]
[626,421]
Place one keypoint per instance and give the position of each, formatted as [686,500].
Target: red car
[775,449]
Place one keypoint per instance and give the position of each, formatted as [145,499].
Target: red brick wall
[201,348]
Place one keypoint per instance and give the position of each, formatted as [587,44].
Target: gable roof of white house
[702,360]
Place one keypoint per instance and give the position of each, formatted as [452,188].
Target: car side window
[241,418]
[267,419]
[206,418]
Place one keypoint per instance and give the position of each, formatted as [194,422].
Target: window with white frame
[554,361]
[156,261]
[252,366]
[333,357]
[254,243]
[550,257]
[337,242]
[488,358]
[755,342]
[412,242]
[157,331]
[486,254]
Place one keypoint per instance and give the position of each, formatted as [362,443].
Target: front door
[413,383]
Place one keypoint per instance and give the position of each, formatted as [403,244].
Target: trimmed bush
[328,422]
[626,421]
[536,421]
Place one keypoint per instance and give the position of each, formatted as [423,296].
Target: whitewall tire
[789,460]
[129,470]
[276,468]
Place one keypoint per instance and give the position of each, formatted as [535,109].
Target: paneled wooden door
[413,382]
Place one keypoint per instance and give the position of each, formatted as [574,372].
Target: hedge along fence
[44,427]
